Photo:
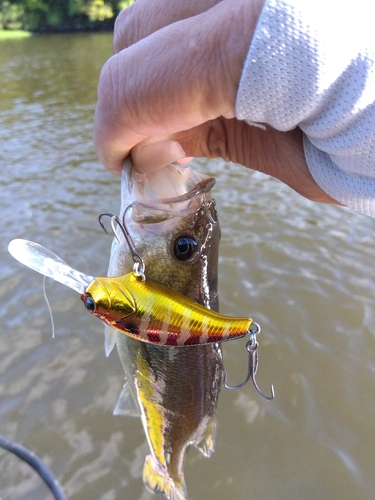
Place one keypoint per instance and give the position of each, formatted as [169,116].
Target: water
[304,271]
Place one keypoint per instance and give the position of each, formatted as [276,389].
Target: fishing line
[36,463]
[49,307]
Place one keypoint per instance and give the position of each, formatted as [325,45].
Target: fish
[173,389]
[167,328]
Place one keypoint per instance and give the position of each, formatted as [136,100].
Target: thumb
[175,79]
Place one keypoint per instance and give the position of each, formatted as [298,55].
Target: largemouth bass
[175,390]
[167,330]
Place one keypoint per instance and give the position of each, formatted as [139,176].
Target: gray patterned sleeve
[312,65]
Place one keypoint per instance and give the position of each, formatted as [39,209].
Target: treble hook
[138,262]
[252,349]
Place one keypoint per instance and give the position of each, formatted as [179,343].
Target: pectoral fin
[109,339]
[126,405]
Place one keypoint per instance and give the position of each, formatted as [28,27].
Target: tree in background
[51,15]
[11,15]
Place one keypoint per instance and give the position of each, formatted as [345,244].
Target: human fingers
[147,16]
[177,78]
[149,156]
[270,151]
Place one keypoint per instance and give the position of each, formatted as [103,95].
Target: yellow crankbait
[143,309]
[153,313]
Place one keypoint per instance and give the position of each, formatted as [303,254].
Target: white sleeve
[311,64]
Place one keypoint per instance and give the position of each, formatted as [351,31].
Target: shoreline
[14,34]
[90,27]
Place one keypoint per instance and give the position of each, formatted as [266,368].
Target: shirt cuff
[352,190]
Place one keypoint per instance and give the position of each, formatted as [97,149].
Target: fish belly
[176,390]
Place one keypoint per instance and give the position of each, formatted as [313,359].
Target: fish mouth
[173,188]
[204,186]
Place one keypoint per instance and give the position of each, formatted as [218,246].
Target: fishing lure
[141,308]
[154,313]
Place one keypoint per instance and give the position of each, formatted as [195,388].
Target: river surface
[304,271]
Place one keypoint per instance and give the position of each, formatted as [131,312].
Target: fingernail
[150,157]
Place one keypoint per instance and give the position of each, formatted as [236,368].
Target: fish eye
[185,247]
[90,304]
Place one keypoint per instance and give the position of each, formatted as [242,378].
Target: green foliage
[10,15]
[47,15]
[125,3]
[97,10]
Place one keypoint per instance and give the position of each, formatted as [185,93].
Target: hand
[169,92]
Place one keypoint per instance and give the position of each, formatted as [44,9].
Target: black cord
[37,464]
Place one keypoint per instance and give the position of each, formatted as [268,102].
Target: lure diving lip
[144,310]
[49,264]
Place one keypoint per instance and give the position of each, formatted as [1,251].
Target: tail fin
[159,481]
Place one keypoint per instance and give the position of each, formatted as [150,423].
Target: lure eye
[90,304]
[185,247]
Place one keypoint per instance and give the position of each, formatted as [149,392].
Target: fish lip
[171,204]
[201,187]
[170,185]
[144,193]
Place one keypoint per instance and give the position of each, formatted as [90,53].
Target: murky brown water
[304,271]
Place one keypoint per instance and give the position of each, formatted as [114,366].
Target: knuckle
[217,143]
[126,31]
[132,25]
